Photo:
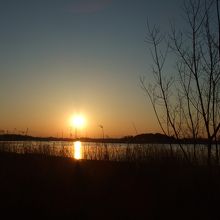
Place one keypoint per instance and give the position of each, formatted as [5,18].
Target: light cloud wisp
[89,6]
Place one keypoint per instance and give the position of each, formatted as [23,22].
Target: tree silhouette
[187,102]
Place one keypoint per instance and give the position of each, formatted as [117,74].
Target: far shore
[148,138]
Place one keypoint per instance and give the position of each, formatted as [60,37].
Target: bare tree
[187,103]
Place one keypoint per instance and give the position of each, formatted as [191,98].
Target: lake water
[101,151]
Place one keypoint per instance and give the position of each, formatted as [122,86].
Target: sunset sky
[64,57]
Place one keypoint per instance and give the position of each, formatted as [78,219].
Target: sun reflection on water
[77,150]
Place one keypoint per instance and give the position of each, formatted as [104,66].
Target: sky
[64,57]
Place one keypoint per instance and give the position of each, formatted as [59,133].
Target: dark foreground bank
[38,186]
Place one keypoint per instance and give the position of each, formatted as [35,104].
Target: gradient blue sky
[61,57]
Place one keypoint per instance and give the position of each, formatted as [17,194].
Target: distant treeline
[156,138]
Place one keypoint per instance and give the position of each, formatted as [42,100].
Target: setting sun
[77,121]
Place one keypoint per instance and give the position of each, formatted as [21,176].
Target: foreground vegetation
[145,152]
[46,186]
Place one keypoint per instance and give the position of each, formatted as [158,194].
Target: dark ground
[35,186]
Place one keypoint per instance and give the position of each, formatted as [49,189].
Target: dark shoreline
[45,186]
[148,138]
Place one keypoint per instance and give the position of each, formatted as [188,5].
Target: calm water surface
[99,151]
